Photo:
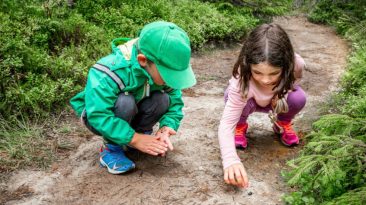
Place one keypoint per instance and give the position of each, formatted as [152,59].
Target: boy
[133,88]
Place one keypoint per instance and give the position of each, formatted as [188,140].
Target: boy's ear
[141,58]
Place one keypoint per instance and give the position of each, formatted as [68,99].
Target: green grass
[22,144]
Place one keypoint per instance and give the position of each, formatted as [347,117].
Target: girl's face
[265,74]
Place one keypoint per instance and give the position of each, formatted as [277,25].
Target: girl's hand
[274,101]
[149,144]
[164,134]
[236,175]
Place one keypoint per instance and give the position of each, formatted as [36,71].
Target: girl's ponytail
[242,71]
[239,63]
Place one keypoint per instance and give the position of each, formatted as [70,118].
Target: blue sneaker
[113,157]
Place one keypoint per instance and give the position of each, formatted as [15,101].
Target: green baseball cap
[168,46]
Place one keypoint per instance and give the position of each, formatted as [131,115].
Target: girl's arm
[299,67]
[230,117]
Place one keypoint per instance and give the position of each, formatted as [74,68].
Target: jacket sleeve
[174,115]
[101,94]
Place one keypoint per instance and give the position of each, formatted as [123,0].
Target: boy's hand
[164,134]
[236,175]
[148,144]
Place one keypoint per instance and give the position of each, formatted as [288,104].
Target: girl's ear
[141,58]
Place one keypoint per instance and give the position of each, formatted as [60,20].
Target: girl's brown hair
[267,43]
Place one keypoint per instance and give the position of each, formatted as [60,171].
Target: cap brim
[177,79]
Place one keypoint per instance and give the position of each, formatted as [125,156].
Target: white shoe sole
[112,171]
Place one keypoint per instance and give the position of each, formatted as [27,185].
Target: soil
[192,173]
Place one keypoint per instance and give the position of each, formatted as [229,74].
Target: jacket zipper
[146,92]
[147,89]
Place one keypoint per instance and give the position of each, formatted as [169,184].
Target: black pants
[141,116]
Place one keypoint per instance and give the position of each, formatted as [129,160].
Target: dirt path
[192,174]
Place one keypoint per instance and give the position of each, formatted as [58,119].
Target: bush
[39,68]
[331,168]
[44,63]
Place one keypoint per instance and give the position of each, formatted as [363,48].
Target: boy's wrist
[134,139]
[163,129]
[166,129]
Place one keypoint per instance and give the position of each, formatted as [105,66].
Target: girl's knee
[296,99]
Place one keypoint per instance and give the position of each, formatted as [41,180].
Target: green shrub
[39,68]
[335,124]
[328,166]
[45,62]
[355,78]
[354,197]
[331,168]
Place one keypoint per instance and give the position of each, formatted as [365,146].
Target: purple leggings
[296,101]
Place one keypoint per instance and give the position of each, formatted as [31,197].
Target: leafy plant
[331,168]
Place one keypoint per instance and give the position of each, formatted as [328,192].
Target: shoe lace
[113,155]
[241,128]
[287,127]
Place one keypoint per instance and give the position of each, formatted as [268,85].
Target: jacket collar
[126,49]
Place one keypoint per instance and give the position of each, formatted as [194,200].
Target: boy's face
[150,67]
[154,73]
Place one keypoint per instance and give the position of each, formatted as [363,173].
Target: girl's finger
[226,176]
[231,177]
[245,177]
[238,177]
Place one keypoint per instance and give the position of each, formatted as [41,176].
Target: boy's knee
[125,107]
[159,103]
[161,97]
[150,110]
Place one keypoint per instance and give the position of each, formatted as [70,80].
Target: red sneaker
[240,138]
[288,135]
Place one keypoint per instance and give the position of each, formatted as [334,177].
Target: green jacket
[101,92]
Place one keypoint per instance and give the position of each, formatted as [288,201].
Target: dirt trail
[192,173]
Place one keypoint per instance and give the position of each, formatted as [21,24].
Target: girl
[264,79]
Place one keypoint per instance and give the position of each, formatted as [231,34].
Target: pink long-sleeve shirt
[234,107]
